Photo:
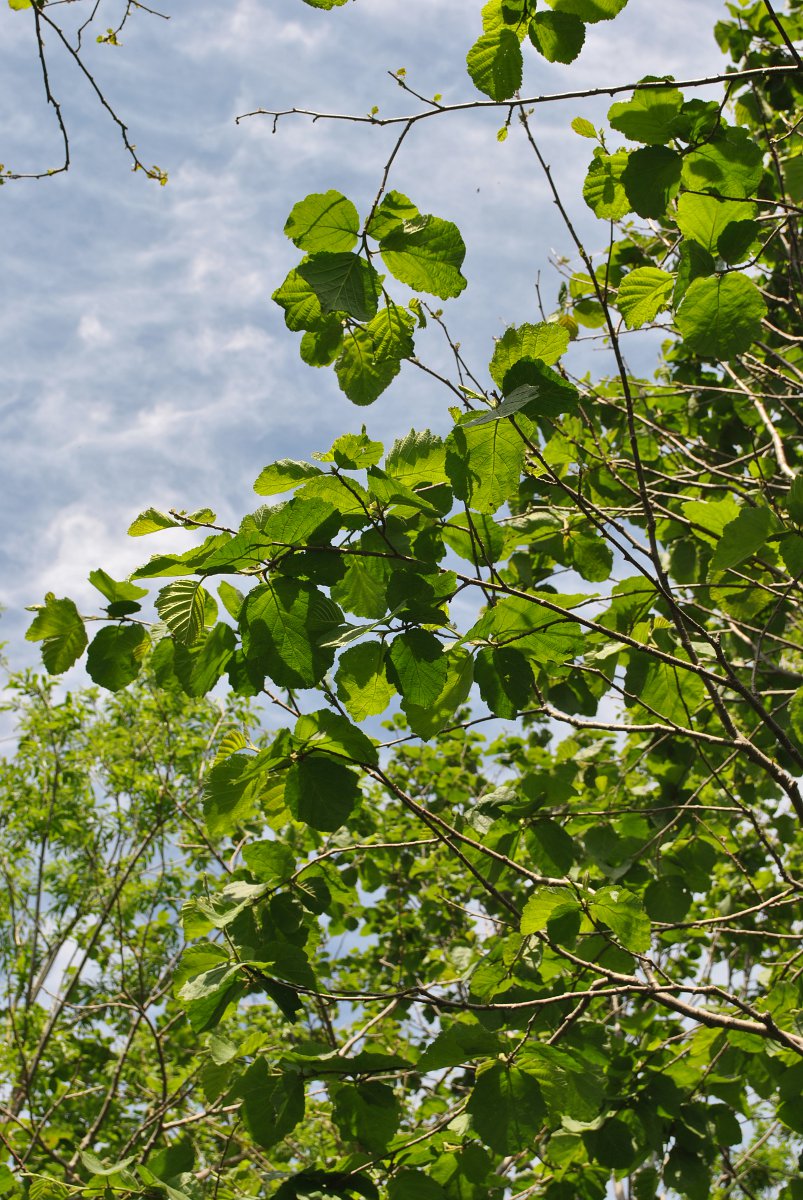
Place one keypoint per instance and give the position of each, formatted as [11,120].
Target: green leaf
[642,295]
[409,1184]
[321,793]
[417,666]
[592,557]
[273,1104]
[704,218]
[327,732]
[200,666]
[475,537]
[362,685]
[507,1108]
[670,692]
[546,905]
[505,680]
[353,451]
[794,500]
[271,862]
[589,10]
[232,789]
[425,720]
[59,625]
[206,996]
[302,308]
[739,241]
[667,899]
[115,655]
[362,376]
[711,515]
[321,346]
[391,332]
[546,341]
[19,5]
[324,221]
[284,625]
[603,190]
[426,253]
[418,458]
[283,476]
[584,128]
[122,596]
[693,262]
[743,536]
[649,116]
[721,317]
[182,606]
[343,283]
[495,64]
[728,164]
[391,213]
[623,913]
[651,179]
[483,463]
[558,36]
[535,630]
[460,1042]
[366,1114]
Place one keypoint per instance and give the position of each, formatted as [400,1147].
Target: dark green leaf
[343,283]
[321,793]
[115,655]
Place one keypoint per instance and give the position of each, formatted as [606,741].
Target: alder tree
[507,903]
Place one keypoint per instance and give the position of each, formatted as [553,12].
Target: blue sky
[143,361]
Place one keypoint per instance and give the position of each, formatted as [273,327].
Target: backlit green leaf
[721,316]
[323,221]
[495,64]
[426,253]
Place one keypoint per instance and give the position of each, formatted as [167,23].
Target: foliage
[445,963]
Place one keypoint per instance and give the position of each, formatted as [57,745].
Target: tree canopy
[507,901]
